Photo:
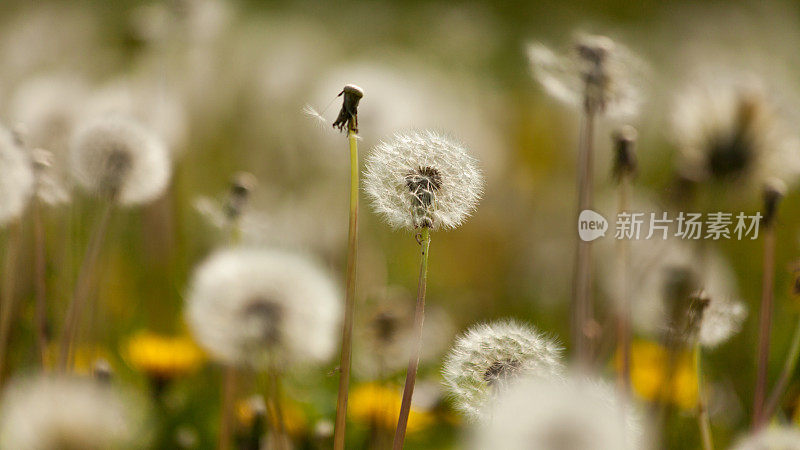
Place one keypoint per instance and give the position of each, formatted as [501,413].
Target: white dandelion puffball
[729,128]
[422,179]
[118,157]
[51,413]
[555,414]
[257,307]
[598,73]
[775,438]
[16,178]
[489,356]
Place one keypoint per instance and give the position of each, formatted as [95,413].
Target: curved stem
[350,294]
[413,362]
[786,373]
[82,286]
[702,402]
[765,324]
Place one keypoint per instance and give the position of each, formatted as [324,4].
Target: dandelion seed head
[599,74]
[728,129]
[49,412]
[16,178]
[257,307]
[485,359]
[772,438]
[556,414]
[118,157]
[422,179]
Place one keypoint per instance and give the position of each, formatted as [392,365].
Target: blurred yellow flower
[373,403]
[649,374]
[294,420]
[162,356]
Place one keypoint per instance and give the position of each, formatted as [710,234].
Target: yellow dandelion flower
[649,375]
[380,405]
[163,357]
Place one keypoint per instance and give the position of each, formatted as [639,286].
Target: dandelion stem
[7,297]
[226,410]
[582,299]
[788,369]
[82,285]
[765,323]
[40,283]
[350,294]
[413,362]
[702,402]
[624,311]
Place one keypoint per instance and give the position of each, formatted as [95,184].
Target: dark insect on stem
[348,115]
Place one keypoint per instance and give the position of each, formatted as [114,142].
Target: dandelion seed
[49,187]
[488,356]
[50,413]
[553,414]
[16,178]
[599,74]
[421,179]
[774,438]
[728,129]
[311,112]
[261,308]
[119,158]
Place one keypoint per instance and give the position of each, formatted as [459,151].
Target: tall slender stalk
[624,308]
[413,362]
[582,298]
[765,324]
[786,373]
[7,297]
[82,285]
[40,282]
[350,295]
[226,410]
[702,402]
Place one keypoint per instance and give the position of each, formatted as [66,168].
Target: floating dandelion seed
[16,178]
[119,158]
[599,74]
[422,179]
[488,356]
[555,414]
[728,129]
[66,413]
[775,438]
[260,308]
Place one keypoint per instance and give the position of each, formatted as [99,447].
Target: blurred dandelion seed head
[16,178]
[488,357]
[422,179]
[71,413]
[550,414]
[118,157]
[728,129]
[599,74]
[262,307]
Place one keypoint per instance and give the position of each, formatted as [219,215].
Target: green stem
[7,297]
[702,402]
[40,279]
[226,410]
[82,285]
[624,308]
[413,362]
[350,295]
[788,369]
